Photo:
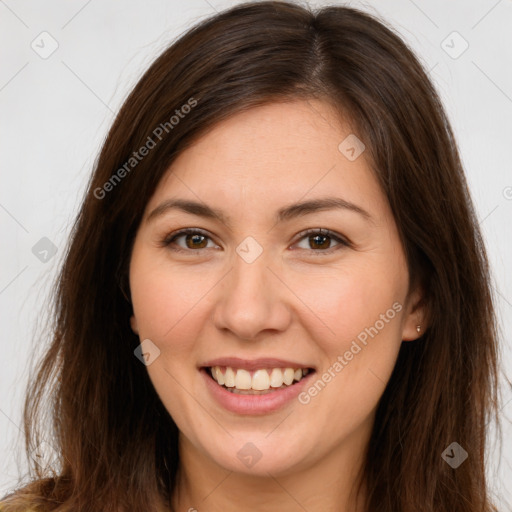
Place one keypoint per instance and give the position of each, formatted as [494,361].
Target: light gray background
[56,111]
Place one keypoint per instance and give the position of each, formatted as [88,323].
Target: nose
[252,300]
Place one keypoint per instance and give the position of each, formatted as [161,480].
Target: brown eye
[193,239]
[321,240]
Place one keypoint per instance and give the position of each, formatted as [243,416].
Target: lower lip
[254,404]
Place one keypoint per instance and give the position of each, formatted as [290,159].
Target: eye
[193,239]
[320,240]
[316,240]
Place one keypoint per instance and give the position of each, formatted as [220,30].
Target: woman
[276,295]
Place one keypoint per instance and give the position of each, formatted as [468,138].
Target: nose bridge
[252,298]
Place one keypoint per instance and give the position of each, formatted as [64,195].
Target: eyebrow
[286,213]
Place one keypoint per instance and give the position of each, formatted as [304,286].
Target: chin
[256,455]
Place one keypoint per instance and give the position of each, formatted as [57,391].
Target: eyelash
[169,239]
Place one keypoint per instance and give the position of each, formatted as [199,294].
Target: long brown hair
[116,443]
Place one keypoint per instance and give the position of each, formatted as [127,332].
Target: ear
[133,324]
[415,319]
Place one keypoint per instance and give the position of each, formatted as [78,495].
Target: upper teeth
[259,380]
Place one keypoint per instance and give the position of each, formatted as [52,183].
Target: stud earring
[418,328]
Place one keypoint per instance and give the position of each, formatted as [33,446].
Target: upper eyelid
[185,231]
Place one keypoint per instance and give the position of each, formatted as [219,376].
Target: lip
[254,404]
[255,364]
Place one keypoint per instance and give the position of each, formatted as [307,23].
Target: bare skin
[304,298]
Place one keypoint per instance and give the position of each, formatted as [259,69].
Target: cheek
[345,302]
[363,307]
[166,301]
[169,306]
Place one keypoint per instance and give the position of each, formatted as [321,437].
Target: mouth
[260,381]
[256,386]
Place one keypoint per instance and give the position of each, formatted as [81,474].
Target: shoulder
[8,507]
[15,503]
[35,496]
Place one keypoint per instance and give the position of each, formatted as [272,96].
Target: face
[261,291]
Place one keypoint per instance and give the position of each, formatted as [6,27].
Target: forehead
[273,155]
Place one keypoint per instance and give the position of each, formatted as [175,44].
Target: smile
[259,381]
[255,386]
